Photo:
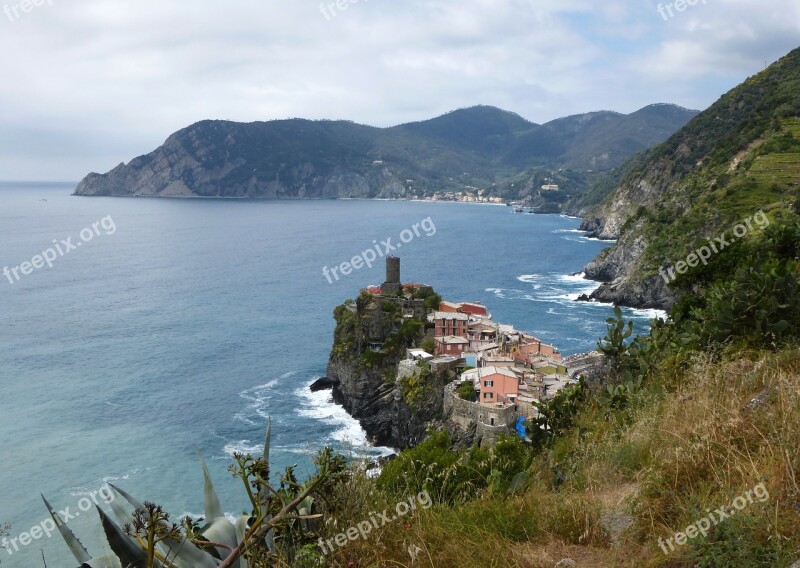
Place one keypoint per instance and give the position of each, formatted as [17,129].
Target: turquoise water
[192,321]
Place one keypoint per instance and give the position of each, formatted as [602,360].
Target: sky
[87,84]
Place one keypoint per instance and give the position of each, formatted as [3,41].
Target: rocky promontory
[370,339]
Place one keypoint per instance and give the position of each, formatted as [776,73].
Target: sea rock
[322,384]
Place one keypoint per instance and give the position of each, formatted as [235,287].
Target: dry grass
[679,454]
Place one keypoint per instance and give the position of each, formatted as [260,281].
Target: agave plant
[142,536]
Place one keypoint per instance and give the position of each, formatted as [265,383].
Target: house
[445,363]
[481,333]
[473,309]
[448,323]
[470,358]
[498,361]
[498,386]
[419,355]
[468,308]
[448,307]
[451,345]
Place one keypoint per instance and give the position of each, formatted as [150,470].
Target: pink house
[498,385]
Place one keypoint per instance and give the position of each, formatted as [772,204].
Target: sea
[137,333]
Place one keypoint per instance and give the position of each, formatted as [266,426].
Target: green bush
[467,391]
[761,305]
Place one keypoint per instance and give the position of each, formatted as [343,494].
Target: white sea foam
[243,447]
[320,406]
[259,398]
[649,313]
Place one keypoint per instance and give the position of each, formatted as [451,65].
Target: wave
[88,490]
[243,447]
[347,432]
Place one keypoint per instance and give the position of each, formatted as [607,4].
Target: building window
[488,383]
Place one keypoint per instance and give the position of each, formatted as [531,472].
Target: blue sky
[87,84]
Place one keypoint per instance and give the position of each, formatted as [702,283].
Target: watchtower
[392,286]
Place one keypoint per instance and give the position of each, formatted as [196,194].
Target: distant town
[474,195]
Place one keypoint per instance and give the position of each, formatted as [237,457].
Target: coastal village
[502,372]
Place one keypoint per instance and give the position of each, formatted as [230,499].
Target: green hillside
[480,147]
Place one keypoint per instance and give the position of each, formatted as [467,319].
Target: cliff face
[219,159]
[618,267]
[394,412]
[381,407]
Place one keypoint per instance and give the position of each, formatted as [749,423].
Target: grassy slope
[690,443]
[740,156]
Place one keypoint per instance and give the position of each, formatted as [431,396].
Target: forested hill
[479,147]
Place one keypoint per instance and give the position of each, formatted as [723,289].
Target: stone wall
[465,414]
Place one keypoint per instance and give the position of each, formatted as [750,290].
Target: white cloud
[91,83]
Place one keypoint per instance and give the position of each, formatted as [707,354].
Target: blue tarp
[521,427]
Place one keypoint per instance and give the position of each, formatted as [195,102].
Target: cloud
[88,85]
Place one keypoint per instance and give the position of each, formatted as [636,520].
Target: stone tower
[392,286]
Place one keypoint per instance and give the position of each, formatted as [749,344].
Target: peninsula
[405,361]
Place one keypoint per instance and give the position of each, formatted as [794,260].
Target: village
[503,373]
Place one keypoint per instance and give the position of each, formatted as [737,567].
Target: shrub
[467,391]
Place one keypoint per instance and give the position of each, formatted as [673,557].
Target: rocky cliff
[369,341]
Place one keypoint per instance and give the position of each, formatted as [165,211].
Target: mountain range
[479,147]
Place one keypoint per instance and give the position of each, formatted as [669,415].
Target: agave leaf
[241,529]
[263,494]
[78,550]
[221,530]
[267,442]
[134,503]
[129,554]
[213,507]
[124,516]
[184,554]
